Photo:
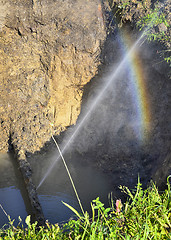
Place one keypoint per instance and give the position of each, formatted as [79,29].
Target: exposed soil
[48,51]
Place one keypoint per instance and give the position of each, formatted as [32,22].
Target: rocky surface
[48,51]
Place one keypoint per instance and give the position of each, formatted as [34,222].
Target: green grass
[145,215]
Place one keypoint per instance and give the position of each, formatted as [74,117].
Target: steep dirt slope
[48,51]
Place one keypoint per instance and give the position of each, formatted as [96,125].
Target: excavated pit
[122,138]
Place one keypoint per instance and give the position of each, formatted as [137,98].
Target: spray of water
[111,78]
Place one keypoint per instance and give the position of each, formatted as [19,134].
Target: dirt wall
[48,51]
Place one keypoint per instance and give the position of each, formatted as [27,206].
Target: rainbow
[139,91]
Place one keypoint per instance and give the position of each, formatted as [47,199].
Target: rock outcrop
[49,49]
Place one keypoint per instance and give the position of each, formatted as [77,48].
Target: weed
[145,215]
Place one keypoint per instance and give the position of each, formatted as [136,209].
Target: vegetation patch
[152,18]
[145,215]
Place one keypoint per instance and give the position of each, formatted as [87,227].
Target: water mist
[103,90]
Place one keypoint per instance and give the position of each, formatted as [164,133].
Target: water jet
[110,79]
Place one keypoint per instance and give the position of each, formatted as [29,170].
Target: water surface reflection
[89,181]
[12,192]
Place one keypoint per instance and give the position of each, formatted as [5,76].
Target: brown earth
[48,51]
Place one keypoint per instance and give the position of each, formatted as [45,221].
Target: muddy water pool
[90,183]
